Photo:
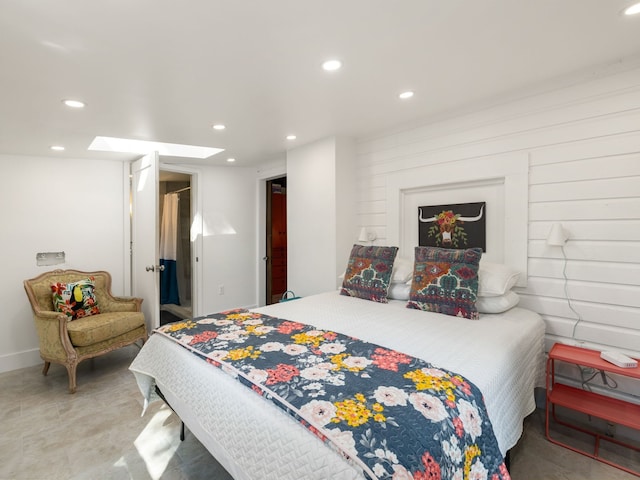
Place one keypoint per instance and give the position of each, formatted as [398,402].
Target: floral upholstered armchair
[77,318]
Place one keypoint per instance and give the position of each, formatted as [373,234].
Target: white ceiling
[167,70]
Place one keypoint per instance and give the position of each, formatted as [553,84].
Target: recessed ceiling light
[127,145]
[291,137]
[332,65]
[219,126]
[632,9]
[405,95]
[231,160]
[74,103]
[57,148]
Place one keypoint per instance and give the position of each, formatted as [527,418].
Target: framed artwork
[456,225]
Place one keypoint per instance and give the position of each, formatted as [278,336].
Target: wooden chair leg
[45,369]
[71,369]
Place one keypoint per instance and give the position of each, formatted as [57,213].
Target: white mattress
[253,439]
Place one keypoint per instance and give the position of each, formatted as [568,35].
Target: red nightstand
[610,409]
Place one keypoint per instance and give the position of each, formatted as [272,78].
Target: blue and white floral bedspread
[395,416]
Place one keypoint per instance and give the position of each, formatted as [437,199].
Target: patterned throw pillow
[76,299]
[369,272]
[446,281]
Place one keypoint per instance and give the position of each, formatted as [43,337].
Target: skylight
[74,103]
[332,65]
[127,145]
[632,9]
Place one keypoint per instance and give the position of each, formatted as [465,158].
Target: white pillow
[399,291]
[498,304]
[402,270]
[495,279]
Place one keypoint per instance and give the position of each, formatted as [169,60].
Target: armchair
[68,342]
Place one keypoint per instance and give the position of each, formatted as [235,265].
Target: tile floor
[98,433]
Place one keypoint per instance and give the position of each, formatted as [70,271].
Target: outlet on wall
[49,258]
[220,289]
[611,430]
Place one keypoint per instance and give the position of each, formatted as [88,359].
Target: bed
[502,354]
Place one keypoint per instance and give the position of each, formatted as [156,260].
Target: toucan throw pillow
[77,299]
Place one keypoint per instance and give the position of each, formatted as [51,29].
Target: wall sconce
[366,235]
[557,235]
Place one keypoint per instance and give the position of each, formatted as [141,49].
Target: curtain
[169,250]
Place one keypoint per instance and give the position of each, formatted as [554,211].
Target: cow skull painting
[453,226]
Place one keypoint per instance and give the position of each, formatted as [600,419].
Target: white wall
[321,224]
[229,255]
[311,221]
[347,229]
[581,144]
[54,204]
[78,206]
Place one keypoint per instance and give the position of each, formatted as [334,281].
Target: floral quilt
[395,416]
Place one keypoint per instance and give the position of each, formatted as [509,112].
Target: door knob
[152,268]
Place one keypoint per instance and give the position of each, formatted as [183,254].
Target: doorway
[276,244]
[176,217]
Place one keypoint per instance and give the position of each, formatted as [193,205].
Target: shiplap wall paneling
[548,307]
[558,119]
[592,291]
[612,229]
[611,272]
[371,202]
[593,188]
[582,141]
[525,137]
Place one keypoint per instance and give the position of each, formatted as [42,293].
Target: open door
[145,268]
[176,291]
[276,239]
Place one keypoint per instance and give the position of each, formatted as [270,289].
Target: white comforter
[502,354]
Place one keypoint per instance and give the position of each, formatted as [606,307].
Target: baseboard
[24,359]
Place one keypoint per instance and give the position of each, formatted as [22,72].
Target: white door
[145,275]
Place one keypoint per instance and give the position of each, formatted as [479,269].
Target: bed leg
[159,392]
